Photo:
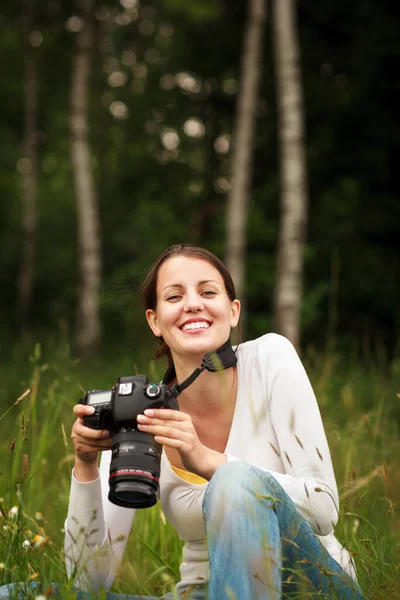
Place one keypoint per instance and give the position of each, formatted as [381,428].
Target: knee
[235,483]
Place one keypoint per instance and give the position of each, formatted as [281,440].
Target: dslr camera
[136,457]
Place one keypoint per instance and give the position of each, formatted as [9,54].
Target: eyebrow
[180,285]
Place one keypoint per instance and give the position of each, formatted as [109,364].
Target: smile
[195,325]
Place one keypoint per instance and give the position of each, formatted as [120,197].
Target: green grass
[360,407]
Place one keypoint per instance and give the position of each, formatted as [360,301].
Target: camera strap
[222,358]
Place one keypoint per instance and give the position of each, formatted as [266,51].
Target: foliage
[163,95]
[359,405]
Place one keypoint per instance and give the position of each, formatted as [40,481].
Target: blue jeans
[260,547]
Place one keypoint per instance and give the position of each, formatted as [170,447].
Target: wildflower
[39,541]
[13,511]
[37,538]
[39,516]
[41,597]
[26,544]
[2,566]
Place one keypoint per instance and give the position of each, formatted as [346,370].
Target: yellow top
[188,476]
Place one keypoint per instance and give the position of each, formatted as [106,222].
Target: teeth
[196,325]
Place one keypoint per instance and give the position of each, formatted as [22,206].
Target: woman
[246,474]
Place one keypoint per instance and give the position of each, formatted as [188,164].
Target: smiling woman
[246,477]
[193,312]
[167,283]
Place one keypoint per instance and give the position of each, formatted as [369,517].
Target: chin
[202,346]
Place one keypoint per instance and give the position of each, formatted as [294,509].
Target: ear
[235,312]
[153,322]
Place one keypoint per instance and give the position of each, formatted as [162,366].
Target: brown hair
[149,286]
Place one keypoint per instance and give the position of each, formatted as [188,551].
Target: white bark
[243,142]
[289,286]
[88,321]
[29,175]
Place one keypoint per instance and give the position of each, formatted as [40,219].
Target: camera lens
[133,495]
[134,469]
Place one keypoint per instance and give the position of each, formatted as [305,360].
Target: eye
[173,298]
[208,293]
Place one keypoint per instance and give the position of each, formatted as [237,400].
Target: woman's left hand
[175,429]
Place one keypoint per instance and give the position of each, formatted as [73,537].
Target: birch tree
[88,321]
[289,285]
[29,172]
[243,142]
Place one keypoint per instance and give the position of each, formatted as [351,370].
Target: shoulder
[271,356]
[269,344]
[266,357]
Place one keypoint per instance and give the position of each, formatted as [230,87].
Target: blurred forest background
[266,131]
[119,126]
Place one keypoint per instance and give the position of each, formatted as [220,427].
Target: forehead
[183,270]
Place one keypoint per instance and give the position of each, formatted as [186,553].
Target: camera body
[135,463]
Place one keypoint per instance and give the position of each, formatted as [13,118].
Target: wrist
[214,460]
[85,471]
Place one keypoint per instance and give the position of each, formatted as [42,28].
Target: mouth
[195,325]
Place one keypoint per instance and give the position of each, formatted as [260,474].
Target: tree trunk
[289,285]
[29,175]
[88,321]
[243,141]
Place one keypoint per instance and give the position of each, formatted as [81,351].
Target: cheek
[168,317]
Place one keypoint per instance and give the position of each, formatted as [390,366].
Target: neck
[210,392]
[219,360]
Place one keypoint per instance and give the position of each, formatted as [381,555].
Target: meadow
[360,404]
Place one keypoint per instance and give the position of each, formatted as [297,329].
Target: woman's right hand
[88,442]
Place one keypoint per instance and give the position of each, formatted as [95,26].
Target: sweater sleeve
[96,532]
[309,478]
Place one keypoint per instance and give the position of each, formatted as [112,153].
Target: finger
[166,413]
[79,440]
[168,432]
[171,443]
[99,444]
[87,433]
[84,447]
[80,410]
[143,420]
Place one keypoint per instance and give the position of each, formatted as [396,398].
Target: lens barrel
[134,470]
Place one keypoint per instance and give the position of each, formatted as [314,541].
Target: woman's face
[194,314]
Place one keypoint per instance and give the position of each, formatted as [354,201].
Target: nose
[193,305]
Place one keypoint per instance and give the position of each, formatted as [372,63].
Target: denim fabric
[260,547]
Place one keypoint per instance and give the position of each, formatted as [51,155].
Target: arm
[96,530]
[309,479]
